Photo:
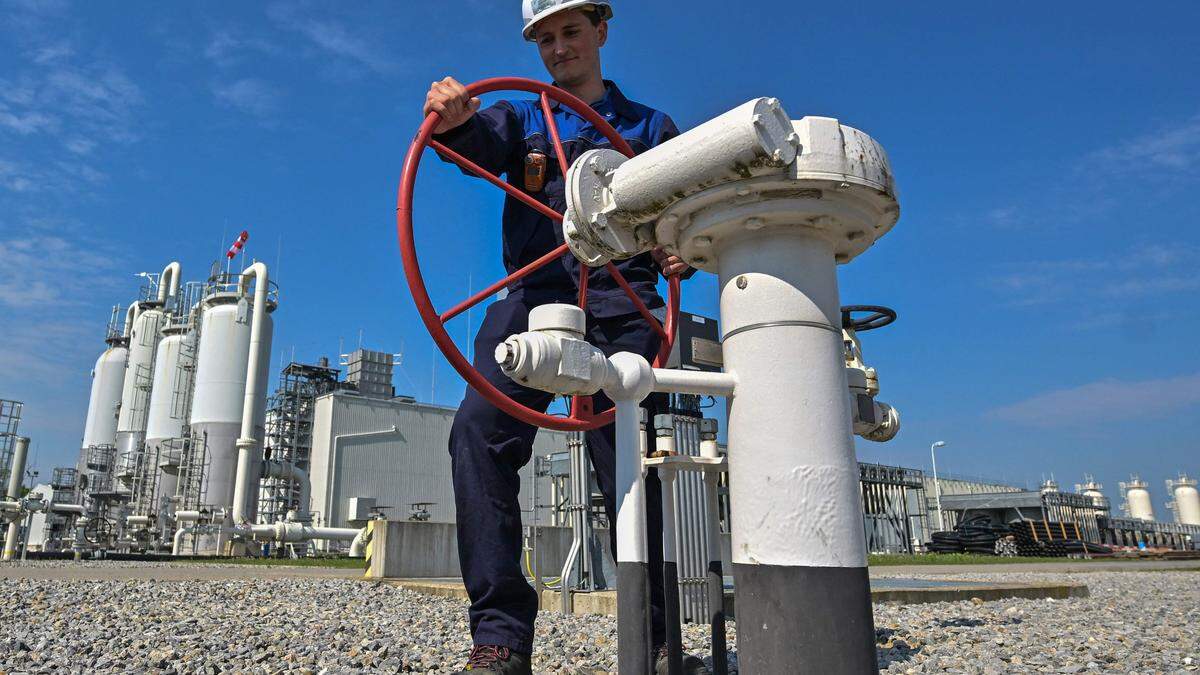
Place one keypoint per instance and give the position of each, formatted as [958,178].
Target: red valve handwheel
[581,418]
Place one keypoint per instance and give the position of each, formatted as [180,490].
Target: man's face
[570,45]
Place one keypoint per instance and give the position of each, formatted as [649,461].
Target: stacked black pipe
[979,535]
[945,542]
[1046,539]
[973,535]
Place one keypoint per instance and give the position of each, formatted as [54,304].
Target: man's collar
[612,98]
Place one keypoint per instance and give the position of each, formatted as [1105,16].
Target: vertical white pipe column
[799,550]
[716,575]
[247,444]
[664,442]
[633,559]
[16,479]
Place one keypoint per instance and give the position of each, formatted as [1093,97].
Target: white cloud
[51,53]
[27,122]
[80,104]
[249,95]
[333,38]
[53,277]
[228,48]
[1104,402]
[1143,271]
[1165,151]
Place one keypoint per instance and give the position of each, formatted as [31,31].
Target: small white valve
[873,420]
[553,356]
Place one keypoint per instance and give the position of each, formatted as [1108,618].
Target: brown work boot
[495,659]
[692,665]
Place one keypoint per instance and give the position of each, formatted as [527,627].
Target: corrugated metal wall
[396,469]
[957,486]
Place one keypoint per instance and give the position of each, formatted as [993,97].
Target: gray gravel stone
[1134,622]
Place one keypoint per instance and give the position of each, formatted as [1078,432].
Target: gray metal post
[716,575]
[664,433]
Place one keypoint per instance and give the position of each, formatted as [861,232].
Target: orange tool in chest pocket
[535,172]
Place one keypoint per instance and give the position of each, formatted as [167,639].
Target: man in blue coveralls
[487,446]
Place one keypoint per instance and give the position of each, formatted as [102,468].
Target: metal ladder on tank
[193,465]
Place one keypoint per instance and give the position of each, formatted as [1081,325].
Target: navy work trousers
[487,449]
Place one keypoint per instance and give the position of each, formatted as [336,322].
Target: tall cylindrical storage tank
[1137,499]
[165,419]
[1187,500]
[220,388]
[135,391]
[1090,488]
[108,378]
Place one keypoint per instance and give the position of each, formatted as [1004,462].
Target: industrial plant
[190,446]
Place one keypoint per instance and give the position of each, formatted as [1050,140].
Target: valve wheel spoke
[492,178]
[553,127]
[637,302]
[519,274]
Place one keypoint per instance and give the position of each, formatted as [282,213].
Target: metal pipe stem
[716,576]
[693,382]
[670,574]
[799,549]
[633,613]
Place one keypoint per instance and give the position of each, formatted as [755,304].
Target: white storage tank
[220,388]
[108,378]
[166,416]
[1090,488]
[1187,500]
[1137,499]
[135,392]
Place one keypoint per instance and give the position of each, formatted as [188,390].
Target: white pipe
[289,471]
[144,521]
[358,547]
[177,541]
[169,274]
[131,315]
[247,443]
[187,516]
[631,488]
[67,508]
[16,478]
[333,456]
[693,382]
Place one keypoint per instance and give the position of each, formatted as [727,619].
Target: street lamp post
[937,488]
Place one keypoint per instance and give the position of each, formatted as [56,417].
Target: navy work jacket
[499,138]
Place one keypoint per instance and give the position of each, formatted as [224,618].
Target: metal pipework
[16,477]
[131,315]
[168,282]
[553,356]
[774,234]
[247,444]
[280,469]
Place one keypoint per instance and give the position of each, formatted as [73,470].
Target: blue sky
[1048,161]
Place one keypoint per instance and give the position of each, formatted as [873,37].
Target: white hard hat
[534,11]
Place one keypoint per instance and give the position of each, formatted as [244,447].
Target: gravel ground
[1134,622]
